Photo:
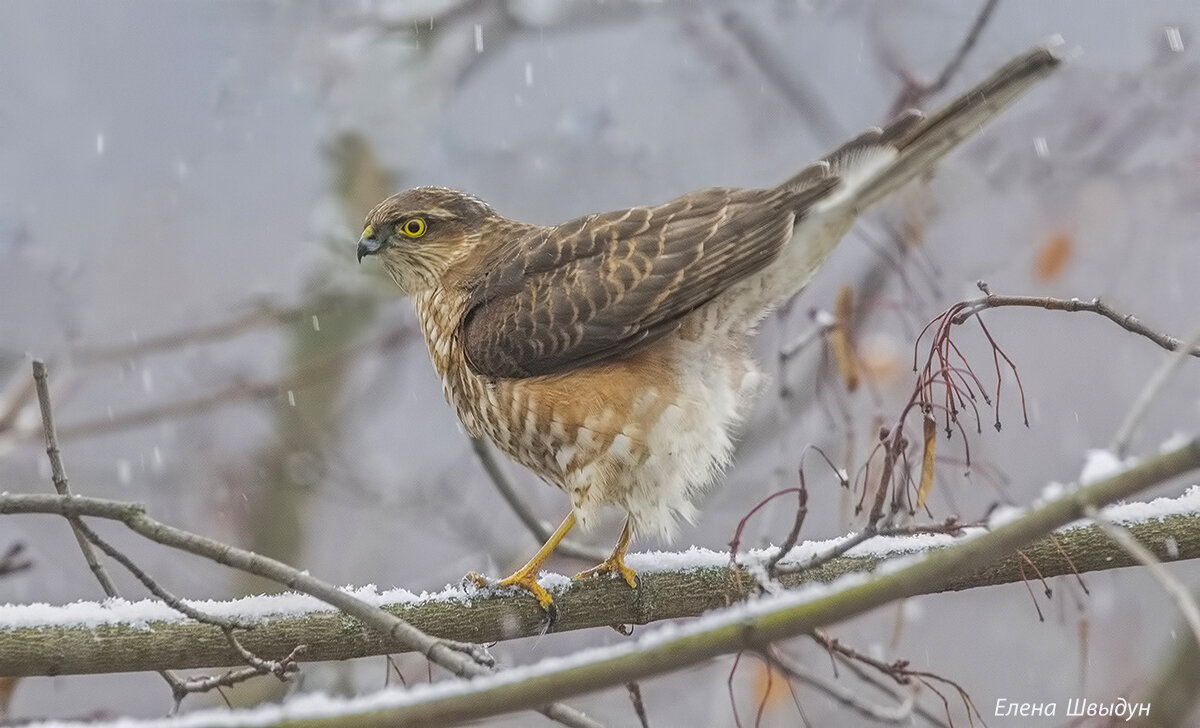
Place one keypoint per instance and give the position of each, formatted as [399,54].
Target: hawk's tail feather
[921,141]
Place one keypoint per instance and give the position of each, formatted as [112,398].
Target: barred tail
[922,141]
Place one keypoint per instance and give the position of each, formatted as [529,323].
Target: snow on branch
[118,635]
[754,625]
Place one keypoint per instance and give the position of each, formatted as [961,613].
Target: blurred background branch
[283,401]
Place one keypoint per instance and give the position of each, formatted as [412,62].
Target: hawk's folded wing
[603,286]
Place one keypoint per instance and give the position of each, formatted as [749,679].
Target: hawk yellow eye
[414,228]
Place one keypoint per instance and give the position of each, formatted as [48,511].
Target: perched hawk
[609,354]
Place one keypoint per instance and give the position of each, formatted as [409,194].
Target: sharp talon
[528,582]
[474,577]
[526,576]
[522,580]
[613,566]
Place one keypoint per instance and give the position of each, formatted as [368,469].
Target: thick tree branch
[663,594]
[1144,556]
[775,619]
[771,620]
[399,635]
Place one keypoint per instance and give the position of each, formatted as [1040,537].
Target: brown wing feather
[602,287]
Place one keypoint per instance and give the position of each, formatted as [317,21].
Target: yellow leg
[615,564]
[526,576]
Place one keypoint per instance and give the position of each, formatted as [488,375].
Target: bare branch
[301,377]
[393,633]
[262,314]
[1126,321]
[499,615]
[11,561]
[84,536]
[774,618]
[58,475]
[794,669]
[841,661]
[639,708]
[914,93]
[950,526]
[899,671]
[230,678]
[786,78]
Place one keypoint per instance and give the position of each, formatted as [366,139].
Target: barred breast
[647,433]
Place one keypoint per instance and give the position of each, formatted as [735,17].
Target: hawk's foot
[526,578]
[614,564]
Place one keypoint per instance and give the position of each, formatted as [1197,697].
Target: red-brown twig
[795,670]
[900,672]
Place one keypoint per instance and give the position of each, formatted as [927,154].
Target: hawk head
[420,233]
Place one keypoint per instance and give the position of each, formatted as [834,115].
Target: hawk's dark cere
[609,354]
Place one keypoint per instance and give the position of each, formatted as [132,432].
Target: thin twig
[823,322]
[203,684]
[540,531]
[1129,322]
[15,404]
[58,475]
[785,78]
[261,315]
[914,92]
[801,512]
[898,670]
[794,669]
[871,679]
[279,668]
[310,374]
[159,591]
[635,697]
[1133,547]
[964,48]
[797,523]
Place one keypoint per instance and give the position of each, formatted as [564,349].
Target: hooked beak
[368,244]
